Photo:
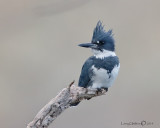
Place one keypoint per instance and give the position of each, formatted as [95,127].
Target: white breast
[102,79]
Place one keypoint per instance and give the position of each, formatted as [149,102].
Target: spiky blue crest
[99,34]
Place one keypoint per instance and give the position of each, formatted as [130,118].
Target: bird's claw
[100,90]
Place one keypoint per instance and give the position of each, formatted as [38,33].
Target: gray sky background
[39,56]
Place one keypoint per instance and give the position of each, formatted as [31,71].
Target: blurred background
[39,56]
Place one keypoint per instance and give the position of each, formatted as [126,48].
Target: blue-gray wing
[86,72]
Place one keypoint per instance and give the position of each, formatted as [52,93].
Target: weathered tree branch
[65,99]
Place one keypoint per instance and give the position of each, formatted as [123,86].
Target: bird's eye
[100,42]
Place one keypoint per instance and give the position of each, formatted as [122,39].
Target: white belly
[101,79]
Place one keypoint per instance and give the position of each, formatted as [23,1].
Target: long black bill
[88,45]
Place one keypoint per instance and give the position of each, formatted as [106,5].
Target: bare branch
[65,99]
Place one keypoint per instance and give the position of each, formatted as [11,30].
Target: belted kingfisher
[100,70]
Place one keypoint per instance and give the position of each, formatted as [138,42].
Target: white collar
[102,54]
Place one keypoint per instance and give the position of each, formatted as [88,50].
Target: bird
[100,70]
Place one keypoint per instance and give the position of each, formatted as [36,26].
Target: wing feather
[86,73]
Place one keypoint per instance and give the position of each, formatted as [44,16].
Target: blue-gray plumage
[101,69]
[108,63]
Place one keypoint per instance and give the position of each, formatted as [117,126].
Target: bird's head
[101,39]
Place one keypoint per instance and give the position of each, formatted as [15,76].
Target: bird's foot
[100,90]
[106,89]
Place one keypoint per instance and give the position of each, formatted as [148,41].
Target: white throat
[103,54]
